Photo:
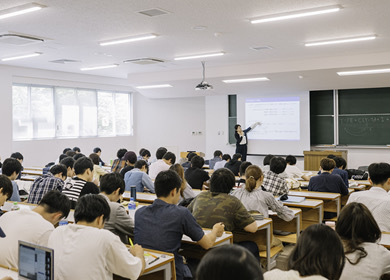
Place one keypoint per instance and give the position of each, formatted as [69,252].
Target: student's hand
[6,278]
[218,228]
[137,251]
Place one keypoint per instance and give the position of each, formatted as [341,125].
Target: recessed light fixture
[128,39]
[341,41]
[154,86]
[297,14]
[21,56]
[246,80]
[19,10]
[99,67]
[364,72]
[200,56]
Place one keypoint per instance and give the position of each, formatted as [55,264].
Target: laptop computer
[35,262]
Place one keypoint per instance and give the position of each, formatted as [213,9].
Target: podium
[312,158]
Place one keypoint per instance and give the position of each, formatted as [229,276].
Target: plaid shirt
[117,165]
[42,185]
[274,184]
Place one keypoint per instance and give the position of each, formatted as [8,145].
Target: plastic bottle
[15,206]
[63,222]
[132,205]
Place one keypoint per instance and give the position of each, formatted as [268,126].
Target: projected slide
[279,117]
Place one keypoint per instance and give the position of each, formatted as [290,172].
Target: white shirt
[83,252]
[25,225]
[377,201]
[293,172]
[373,266]
[277,274]
[219,164]
[157,167]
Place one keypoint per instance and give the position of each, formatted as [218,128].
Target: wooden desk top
[316,195]
[164,258]
[28,178]
[32,172]
[296,212]
[227,237]
[307,203]
[385,240]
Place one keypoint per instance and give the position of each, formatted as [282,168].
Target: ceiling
[72,29]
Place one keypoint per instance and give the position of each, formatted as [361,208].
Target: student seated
[34,226]
[145,155]
[81,184]
[244,165]
[6,189]
[273,182]
[267,162]
[318,255]
[195,175]
[168,159]
[186,191]
[86,251]
[76,150]
[118,163]
[19,157]
[339,169]
[69,163]
[12,168]
[229,262]
[130,159]
[293,171]
[221,164]
[187,164]
[254,198]
[326,181]
[98,151]
[161,225]
[97,170]
[217,157]
[360,233]
[234,164]
[54,180]
[112,187]
[157,165]
[377,199]
[137,177]
[77,156]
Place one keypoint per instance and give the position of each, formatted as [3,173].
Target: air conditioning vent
[261,48]
[19,40]
[154,12]
[65,61]
[144,61]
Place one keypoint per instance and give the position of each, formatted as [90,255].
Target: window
[56,112]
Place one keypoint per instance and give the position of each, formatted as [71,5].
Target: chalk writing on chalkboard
[364,125]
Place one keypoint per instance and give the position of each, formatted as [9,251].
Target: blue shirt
[139,179]
[326,182]
[213,161]
[161,226]
[343,174]
[15,192]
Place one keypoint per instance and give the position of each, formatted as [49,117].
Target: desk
[312,211]
[32,172]
[225,239]
[148,197]
[28,177]
[8,272]
[385,240]
[294,225]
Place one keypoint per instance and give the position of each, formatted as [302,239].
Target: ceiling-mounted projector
[203,84]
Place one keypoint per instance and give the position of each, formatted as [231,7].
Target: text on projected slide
[279,118]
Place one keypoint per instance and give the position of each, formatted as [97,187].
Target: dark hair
[54,201]
[226,157]
[130,156]
[222,181]
[340,162]
[141,150]
[170,156]
[244,165]
[111,182]
[70,153]
[267,159]
[165,182]
[59,168]
[77,156]
[327,164]
[146,153]
[6,186]
[217,153]
[82,164]
[140,163]
[252,174]
[68,162]
[235,158]
[11,165]
[95,158]
[17,155]
[197,161]
[180,171]
[277,165]
[91,206]
[76,149]
[62,156]
[96,150]
[236,126]
[379,172]
[160,152]
[331,156]
[356,225]
[319,251]
[291,160]
[229,262]
[65,150]
[120,153]
[190,155]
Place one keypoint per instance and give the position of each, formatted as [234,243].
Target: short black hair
[17,155]
[226,157]
[236,126]
[217,153]
[62,156]
[197,161]
[161,152]
[91,206]
[146,153]
[190,155]
[140,163]
[244,165]
[170,156]
[11,165]
[96,150]
[82,164]
[70,153]
[76,149]
[222,181]
[141,150]
[120,153]
[277,165]
[65,150]
[111,182]
[165,182]
[331,156]
[59,168]
[340,162]
[95,158]
[267,159]
[77,156]
[6,186]
[68,162]
[379,172]
[54,201]
[291,159]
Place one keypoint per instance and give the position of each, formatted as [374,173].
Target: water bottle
[15,206]
[131,205]
[63,222]
[133,192]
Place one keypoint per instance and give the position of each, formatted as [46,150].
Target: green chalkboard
[364,101]
[321,117]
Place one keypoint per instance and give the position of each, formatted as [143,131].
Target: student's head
[277,165]
[161,152]
[59,171]
[68,162]
[236,157]
[65,150]
[169,158]
[319,251]
[141,150]
[130,158]
[70,153]
[120,153]
[267,159]
[237,128]
[95,158]
[78,155]
[190,155]
[112,184]
[61,157]
[84,166]
[11,168]
[222,181]
[331,156]
[291,160]
[76,150]
[6,189]
[167,184]
[56,205]
[197,161]
[379,173]
[356,225]
[97,151]
[253,174]
[226,157]
[340,162]
[244,165]
[178,169]
[229,262]
[217,153]
[327,164]
[141,165]
[92,208]
[17,156]
[146,154]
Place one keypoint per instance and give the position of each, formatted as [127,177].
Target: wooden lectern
[313,158]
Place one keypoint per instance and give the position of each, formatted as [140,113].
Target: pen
[131,242]
[154,260]
[152,255]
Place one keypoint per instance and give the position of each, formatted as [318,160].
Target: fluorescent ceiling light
[200,56]
[297,14]
[21,56]
[155,86]
[340,41]
[19,10]
[128,39]
[246,80]
[99,67]
[364,72]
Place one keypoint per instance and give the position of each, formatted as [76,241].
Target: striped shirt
[76,187]
[42,185]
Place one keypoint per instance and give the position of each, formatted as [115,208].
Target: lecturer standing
[242,139]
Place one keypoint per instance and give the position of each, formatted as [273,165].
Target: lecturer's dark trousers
[242,149]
